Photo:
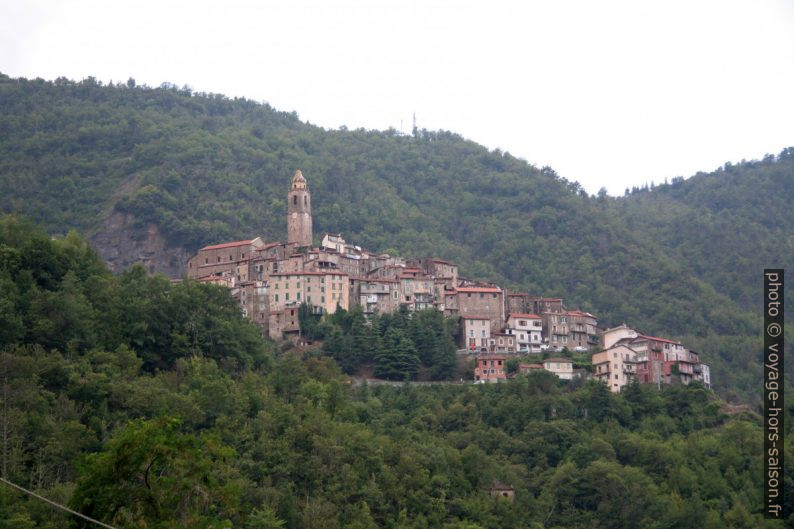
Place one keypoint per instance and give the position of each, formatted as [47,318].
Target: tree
[398,359]
[151,473]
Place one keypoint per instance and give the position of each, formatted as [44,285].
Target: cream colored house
[616,366]
[562,367]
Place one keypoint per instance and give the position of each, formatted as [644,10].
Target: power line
[58,505]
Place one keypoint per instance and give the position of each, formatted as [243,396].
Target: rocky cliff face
[122,240]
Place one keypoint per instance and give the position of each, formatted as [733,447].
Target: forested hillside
[148,404]
[682,260]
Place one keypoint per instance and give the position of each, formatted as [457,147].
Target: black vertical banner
[773,394]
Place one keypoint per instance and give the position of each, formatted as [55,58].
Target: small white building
[527,329]
[333,241]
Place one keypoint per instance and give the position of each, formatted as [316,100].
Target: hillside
[156,173]
[144,403]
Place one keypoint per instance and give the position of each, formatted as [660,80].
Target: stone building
[231,257]
[573,329]
[479,301]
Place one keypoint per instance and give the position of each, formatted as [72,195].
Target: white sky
[609,93]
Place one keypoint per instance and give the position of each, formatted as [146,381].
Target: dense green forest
[681,260]
[148,404]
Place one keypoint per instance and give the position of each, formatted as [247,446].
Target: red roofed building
[526,369]
[490,368]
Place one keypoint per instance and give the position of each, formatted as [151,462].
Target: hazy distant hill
[156,173]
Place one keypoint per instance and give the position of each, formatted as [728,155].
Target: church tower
[299,212]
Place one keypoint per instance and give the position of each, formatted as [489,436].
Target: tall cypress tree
[398,359]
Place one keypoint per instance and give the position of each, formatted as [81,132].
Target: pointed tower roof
[298,181]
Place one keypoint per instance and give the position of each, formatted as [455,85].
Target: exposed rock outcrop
[123,240]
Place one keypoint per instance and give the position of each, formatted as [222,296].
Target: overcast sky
[610,93]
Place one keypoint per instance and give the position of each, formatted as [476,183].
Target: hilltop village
[271,280]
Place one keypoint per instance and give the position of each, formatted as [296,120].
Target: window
[468,295]
[322,299]
[206,260]
[230,257]
[243,256]
[299,296]
[616,376]
[522,323]
[219,258]
[294,200]
[308,289]
[482,295]
[276,297]
[305,200]
[563,319]
[483,333]
[286,296]
[471,333]
[322,289]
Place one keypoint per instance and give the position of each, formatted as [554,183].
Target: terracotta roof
[227,245]
[530,366]
[475,317]
[655,339]
[523,315]
[329,273]
[494,290]
[579,313]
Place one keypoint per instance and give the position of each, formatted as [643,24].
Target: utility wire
[58,505]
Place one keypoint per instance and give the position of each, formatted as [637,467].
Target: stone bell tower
[299,212]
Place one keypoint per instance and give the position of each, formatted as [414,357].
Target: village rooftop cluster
[271,280]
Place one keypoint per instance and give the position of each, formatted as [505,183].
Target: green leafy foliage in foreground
[185,419]
[681,260]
